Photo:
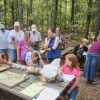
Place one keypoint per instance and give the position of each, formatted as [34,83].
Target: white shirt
[3,39]
[18,36]
[28,57]
[35,36]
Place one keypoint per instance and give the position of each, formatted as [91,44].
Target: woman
[52,46]
[93,58]
[22,47]
[80,50]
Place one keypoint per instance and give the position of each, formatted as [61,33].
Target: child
[37,62]
[28,57]
[71,67]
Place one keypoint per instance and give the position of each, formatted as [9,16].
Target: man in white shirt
[14,37]
[3,41]
[35,36]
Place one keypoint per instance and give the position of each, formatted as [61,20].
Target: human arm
[61,70]
[73,86]
[41,63]
[18,50]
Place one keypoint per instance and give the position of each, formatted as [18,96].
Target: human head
[35,56]
[2,27]
[33,28]
[71,60]
[17,26]
[84,42]
[30,47]
[50,33]
[27,35]
[57,30]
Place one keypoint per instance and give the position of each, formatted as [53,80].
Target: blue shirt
[54,53]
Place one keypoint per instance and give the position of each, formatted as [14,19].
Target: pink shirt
[23,49]
[75,71]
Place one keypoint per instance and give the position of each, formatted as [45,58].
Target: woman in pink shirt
[22,48]
[71,67]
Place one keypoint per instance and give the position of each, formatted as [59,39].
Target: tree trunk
[98,19]
[65,13]
[20,10]
[12,12]
[27,18]
[88,18]
[5,9]
[72,12]
[30,10]
[54,14]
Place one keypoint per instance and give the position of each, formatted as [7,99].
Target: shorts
[4,51]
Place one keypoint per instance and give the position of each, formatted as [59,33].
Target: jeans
[91,65]
[36,47]
[13,55]
[72,94]
[4,51]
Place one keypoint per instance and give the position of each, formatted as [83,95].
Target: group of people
[24,49]
[20,45]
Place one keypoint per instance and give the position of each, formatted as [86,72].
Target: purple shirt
[23,49]
[95,47]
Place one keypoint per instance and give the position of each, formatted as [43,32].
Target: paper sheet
[67,77]
[32,90]
[48,94]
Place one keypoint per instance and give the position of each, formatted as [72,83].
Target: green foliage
[41,13]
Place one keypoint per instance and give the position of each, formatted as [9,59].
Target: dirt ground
[88,91]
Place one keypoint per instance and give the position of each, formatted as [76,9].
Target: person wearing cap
[80,51]
[35,36]
[14,37]
[52,46]
[22,47]
[3,41]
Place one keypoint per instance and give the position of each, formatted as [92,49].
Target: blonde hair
[85,41]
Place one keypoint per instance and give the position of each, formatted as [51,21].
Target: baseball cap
[2,26]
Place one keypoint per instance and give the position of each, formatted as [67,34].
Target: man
[3,42]
[35,36]
[14,37]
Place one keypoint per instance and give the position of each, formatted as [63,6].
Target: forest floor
[86,91]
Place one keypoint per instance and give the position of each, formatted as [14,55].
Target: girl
[28,57]
[71,67]
[37,61]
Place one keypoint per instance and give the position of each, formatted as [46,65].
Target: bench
[67,50]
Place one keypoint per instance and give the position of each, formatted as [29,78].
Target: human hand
[68,91]
[60,72]
[13,38]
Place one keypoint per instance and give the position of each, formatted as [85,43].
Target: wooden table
[32,79]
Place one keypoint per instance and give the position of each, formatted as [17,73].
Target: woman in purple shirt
[93,58]
[22,47]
